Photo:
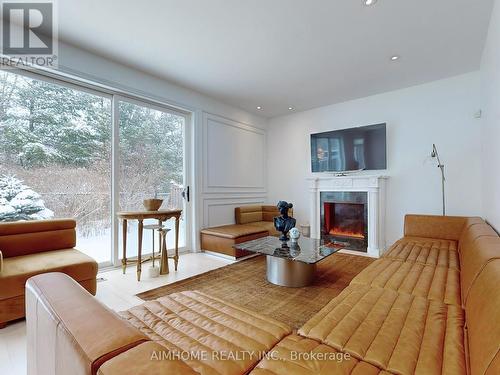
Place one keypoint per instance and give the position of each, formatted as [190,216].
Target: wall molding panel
[234,168]
[234,156]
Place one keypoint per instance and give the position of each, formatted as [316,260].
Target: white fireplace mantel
[373,185]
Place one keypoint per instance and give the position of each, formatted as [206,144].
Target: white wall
[232,140]
[440,112]
[87,65]
[490,102]
[234,168]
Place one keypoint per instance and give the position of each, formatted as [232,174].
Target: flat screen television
[362,148]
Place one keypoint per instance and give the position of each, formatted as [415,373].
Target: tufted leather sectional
[431,305]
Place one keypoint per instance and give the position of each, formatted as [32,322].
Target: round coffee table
[290,264]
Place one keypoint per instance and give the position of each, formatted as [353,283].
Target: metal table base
[290,273]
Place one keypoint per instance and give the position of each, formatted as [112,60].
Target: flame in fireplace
[345,233]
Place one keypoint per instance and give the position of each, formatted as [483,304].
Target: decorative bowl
[152,204]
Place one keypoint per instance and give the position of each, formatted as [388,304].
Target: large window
[151,165]
[56,158]
[55,147]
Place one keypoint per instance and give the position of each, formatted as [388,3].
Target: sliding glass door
[72,151]
[151,165]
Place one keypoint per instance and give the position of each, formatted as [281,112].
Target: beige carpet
[244,283]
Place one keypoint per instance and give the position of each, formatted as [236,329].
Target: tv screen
[349,149]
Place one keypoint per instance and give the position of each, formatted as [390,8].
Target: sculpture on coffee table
[284,223]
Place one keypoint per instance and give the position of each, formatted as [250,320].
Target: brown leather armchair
[29,248]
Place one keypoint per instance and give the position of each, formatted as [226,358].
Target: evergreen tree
[19,202]
[58,140]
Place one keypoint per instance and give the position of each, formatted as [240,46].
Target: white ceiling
[282,53]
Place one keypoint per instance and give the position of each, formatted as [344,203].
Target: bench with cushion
[252,222]
[410,312]
[29,248]
[221,239]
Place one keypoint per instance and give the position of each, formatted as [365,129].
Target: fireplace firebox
[344,219]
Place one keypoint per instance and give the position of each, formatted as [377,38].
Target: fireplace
[363,189]
[344,219]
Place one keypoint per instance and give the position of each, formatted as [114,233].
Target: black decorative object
[284,222]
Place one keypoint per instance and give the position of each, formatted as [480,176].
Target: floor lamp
[435,154]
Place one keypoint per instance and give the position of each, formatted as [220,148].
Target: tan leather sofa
[29,248]
[70,332]
[430,306]
[252,222]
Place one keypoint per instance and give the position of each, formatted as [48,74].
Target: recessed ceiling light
[259,107]
[369,2]
[290,108]
[395,58]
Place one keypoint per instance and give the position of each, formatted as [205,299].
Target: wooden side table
[140,216]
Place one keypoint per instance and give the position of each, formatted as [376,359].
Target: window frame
[92,86]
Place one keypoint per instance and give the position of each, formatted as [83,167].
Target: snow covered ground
[99,246]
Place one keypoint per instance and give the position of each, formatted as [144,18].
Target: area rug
[244,283]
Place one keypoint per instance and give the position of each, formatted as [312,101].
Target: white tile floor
[117,292]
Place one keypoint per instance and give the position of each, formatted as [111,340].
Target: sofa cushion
[475,229]
[432,226]
[270,212]
[432,242]
[251,214]
[233,231]
[248,214]
[425,251]
[22,227]
[267,225]
[17,270]
[432,282]
[482,309]
[472,234]
[27,237]
[228,339]
[302,356]
[476,256]
[397,332]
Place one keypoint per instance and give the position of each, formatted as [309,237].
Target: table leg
[124,257]
[176,257]
[160,223]
[139,250]
[153,246]
[164,255]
